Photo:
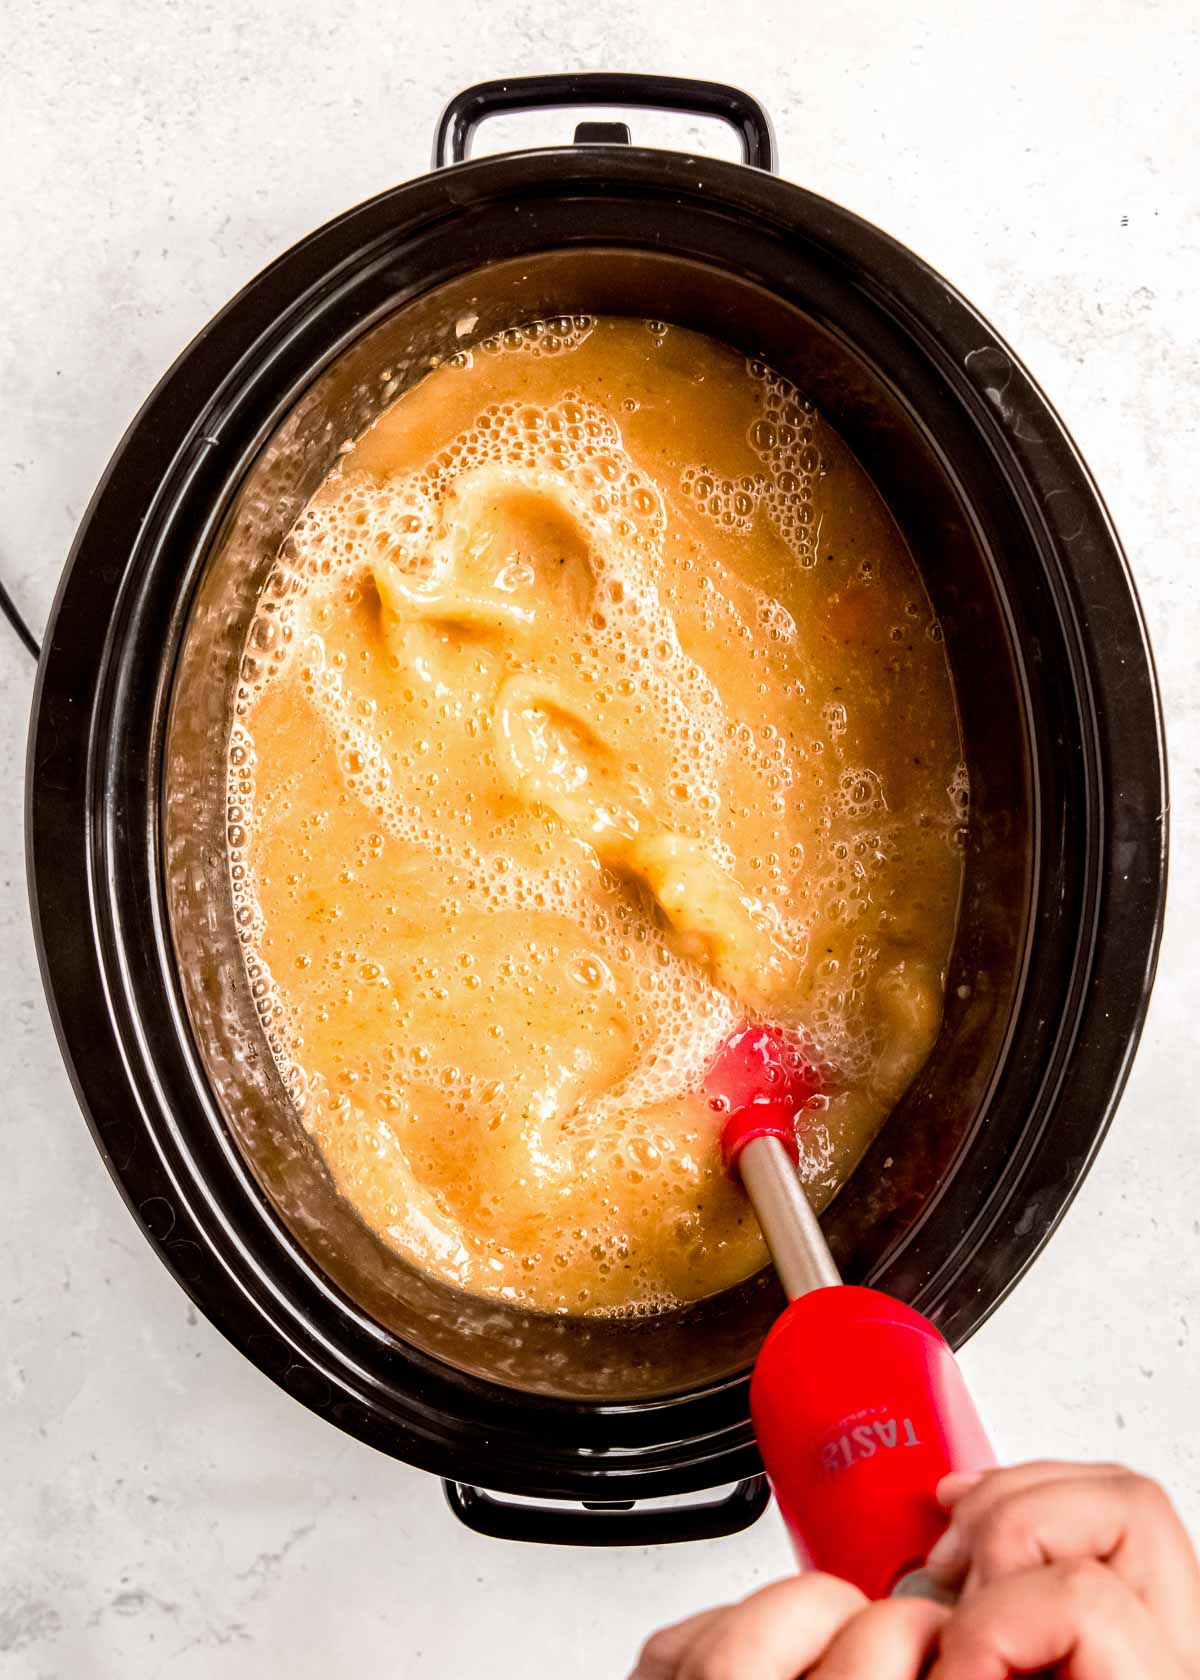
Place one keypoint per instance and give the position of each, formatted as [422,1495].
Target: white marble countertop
[166,1509]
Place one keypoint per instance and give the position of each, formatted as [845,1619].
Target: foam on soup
[592,708]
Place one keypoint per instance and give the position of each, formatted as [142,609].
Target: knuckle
[1084,1581]
[657,1657]
[727,1658]
[654,1652]
[903,1615]
[1149,1496]
[1004,1536]
[897,1613]
[903,1628]
[960,1643]
[831,1591]
[747,1641]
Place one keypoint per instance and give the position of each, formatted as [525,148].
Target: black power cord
[8,606]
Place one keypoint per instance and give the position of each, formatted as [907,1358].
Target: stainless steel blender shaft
[798,1248]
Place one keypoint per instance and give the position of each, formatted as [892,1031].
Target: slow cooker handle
[609,1523]
[465,112]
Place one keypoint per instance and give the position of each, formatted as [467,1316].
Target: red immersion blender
[858,1404]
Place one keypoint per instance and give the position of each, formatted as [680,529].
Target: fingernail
[946,1554]
[958,1482]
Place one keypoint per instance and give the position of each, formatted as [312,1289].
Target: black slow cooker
[1066,846]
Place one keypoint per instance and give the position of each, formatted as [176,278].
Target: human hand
[1081,1569]
[813,1625]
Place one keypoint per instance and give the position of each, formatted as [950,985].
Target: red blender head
[760,1083]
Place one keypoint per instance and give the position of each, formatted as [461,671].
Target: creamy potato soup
[592,709]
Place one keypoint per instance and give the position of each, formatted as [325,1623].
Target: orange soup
[593,708]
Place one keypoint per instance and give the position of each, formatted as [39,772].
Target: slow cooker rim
[632,160]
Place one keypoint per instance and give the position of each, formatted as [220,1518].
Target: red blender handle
[860,1409]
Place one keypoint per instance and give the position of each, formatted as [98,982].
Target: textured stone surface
[167,1511]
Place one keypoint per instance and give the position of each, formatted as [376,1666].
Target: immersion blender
[858,1404]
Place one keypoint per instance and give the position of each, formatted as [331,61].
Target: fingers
[972,1496]
[952,1486]
[952,1489]
[1014,1521]
[888,1641]
[663,1652]
[1076,1618]
[774,1634]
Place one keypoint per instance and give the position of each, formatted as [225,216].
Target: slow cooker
[559,1427]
